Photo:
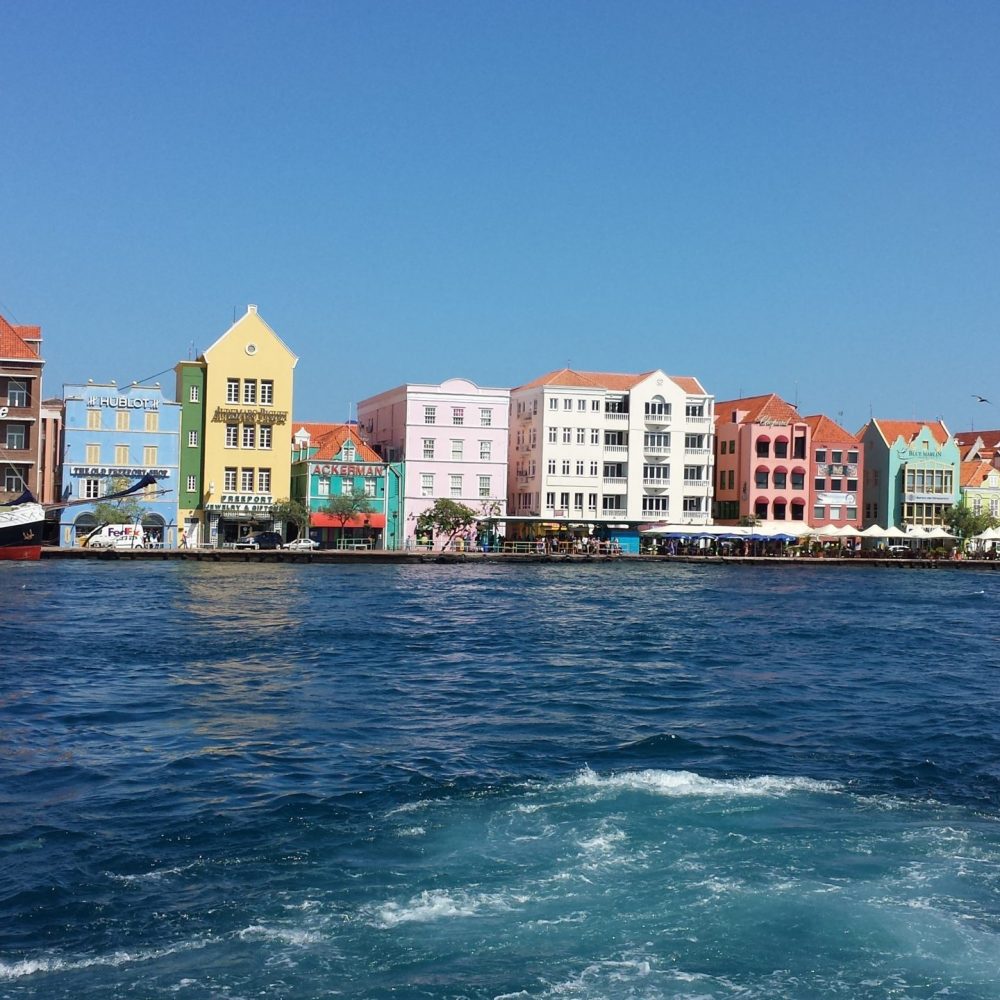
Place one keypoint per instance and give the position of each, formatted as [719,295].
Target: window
[696,442]
[657,505]
[15,435]
[819,483]
[579,468]
[819,512]
[553,403]
[192,484]
[121,454]
[323,486]
[428,451]
[781,448]
[249,435]
[249,390]
[565,467]
[821,456]
[693,504]
[427,484]
[267,392]
[852,486]
[834,513]
[595,436]
[550,500]
[93,420]
[192,439]
[591,501]
[732,477]
[694,473]
[246,480]
[567,404]
[150,455]
[852,458]
[593,468]
[552,466]
[263,480]
[660,473]
[17,393]
[455,485]
[581,435]
[229,480]
[90,489]
[656,441]
[763,448]
[456,450]
[13,479]
[485,486]
[564,500]
[232,390]
[798,481]
[346,486]
[567,435]
[194,394]
[232,435]
[836,457]
[152,421]
[852,513]
[760,479]
[485,448]
[486,416]
[430,415]
[836,485]
[553,435]
[371,486]
[264,438]
[122,422]
[458,416]
[694,410]
[93,454]
[780,480]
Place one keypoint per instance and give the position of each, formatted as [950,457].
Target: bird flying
[980,399]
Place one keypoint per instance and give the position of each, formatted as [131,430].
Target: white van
[116,536]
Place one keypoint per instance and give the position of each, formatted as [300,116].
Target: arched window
[83,525]
[153,525]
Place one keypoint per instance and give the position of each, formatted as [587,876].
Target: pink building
[836,469]
[451,439]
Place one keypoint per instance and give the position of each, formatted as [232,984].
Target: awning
[357,521]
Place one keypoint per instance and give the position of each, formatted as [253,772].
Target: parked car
[900,550]
[301,543]
[261,540]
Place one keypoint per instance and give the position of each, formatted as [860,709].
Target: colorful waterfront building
[611,451]
[980,486]
[979,444]
[113,436]
[762,461]
[237,438]
[912,473]
[331,460]
[451,440]
[20,408]
[836,468]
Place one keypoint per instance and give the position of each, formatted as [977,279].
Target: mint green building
[912,473]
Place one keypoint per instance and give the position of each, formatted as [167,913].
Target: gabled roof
[588,380]
[689,384]
[756,408]
[251,316]
[15,346]
[909,429]
[328,439]
[990,438]
[825,430]
[974,474]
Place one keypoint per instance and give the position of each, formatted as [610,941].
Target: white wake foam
[437,904]
[53,963]
[687,783]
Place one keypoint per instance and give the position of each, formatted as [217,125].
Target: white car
[301,543]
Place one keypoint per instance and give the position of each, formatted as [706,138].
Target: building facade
[980,485]
[451,440]
[237,433]
[912,473]
[112,437]
[607,448]
[20,409]
[836,467]
[330,461]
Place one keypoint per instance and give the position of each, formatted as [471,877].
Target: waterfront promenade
[334,557]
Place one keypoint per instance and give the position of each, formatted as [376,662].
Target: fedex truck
[116,536]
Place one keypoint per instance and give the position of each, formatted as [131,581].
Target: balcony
[618,417]
[695,482]
[656,449]
[697,451]
[619,481]
[616,449]
[658,419]
[697,420]
[613,514]
[656,484]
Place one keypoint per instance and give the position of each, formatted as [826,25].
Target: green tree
[291,512]
[124,510]
[965,523]
[446,518]
[343,508]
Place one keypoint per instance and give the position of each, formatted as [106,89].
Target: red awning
[358,521]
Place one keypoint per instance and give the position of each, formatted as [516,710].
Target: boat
[22,520]
[21,523]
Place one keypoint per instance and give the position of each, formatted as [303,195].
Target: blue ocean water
[603,781]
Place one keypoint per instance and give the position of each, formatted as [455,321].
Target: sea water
[597,781]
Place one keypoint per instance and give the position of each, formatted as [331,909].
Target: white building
[452,439]
[597,446]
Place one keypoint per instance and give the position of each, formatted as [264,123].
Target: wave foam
[52,963]
[439,905]
[285,935]
[687,783]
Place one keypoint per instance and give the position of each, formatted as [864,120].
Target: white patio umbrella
[938,532]
[874,531]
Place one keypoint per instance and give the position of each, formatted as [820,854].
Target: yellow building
[238,400]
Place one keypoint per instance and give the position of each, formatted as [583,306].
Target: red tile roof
[755,409]
[909,429]
[827,431]
[328,439]
[587,380]
[688,383]
[12,343]
[975,473]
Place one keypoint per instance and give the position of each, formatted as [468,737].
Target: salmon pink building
[836,471]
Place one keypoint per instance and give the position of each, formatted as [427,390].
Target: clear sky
[792,197]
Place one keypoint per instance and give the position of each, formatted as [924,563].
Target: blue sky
[791,197]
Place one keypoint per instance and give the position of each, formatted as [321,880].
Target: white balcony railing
[616,449]
[656,449]
[656,484]
[620,417]
[658,419]
[695,482]
[697,420]
[615,481]
[696,451]
[613,513]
